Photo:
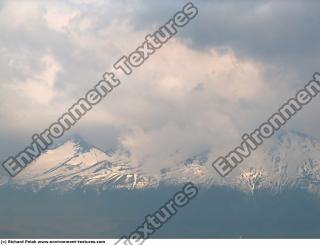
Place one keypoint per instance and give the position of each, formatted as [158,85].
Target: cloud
[40,87]
[222,75]
[59,17]
[183,102]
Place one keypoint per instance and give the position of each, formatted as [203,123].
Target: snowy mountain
[76,164]
[289,160]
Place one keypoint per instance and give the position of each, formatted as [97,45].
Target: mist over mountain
[77,190]
[289,160]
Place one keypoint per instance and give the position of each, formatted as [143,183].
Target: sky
[221,76]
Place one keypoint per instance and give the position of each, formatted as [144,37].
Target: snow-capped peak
[288,160]
[74,164]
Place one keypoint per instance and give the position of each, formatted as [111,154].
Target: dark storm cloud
[282,33]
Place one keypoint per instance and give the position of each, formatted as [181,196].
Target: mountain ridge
[290,160]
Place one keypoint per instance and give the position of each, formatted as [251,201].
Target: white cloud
[58,17]
[40,86]
[184,100]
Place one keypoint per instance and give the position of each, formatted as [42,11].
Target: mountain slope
[288,160]
[75,164]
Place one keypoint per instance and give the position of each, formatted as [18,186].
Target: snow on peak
[289,159]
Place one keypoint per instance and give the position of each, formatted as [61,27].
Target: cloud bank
[219,78]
